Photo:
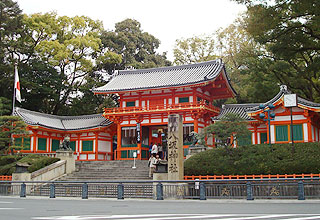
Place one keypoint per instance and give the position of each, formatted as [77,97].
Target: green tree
[195,49]
[248,67]
[60,54]
[229,126]
[5,106]
[10,125]
[290,33]
[10,30]
[137,48]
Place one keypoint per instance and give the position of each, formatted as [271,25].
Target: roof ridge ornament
[284,88]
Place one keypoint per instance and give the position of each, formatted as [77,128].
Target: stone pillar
[175,147]
[67,155]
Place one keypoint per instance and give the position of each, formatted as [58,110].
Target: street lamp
[270,116]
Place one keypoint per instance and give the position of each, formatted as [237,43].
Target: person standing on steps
[152,165]
[154,150]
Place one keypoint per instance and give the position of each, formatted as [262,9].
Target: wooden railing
[164,107]
[245,177]
[5,178]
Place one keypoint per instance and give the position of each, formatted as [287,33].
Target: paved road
[99,209]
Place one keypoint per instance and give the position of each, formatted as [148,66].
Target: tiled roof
[126,80]
[66,123]
[282,92]
[244,109]
[240,109]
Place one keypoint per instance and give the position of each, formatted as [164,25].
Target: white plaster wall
[272,134]
[156,91]
[252,138]
[176,100]
[297,109]
[188,119]
[31,143]
[169,101]
[305,132]
[124,104]
[155,120]
[133,121]
[100,157]
[279,110]
[165,120]
[288,118]
[258,136]
[104,146]
[124,122]
[143,103]
[83,157]
[91,156]
[137,103]
[104,134]
[145,121]
[191,98]
[262,126]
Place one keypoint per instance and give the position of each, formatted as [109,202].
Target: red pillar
[118,141]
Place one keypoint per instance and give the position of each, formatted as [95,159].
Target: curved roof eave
[165,77]
[62,123]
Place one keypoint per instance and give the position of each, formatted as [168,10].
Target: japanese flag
[17,85]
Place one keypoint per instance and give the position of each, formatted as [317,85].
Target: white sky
[167,20]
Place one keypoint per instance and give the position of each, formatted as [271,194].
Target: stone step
[109,170]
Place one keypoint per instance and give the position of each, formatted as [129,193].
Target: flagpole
[14,88]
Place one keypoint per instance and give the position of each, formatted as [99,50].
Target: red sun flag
[17,85]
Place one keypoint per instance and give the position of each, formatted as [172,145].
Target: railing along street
[289,188]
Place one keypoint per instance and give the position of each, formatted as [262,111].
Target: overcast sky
[167,20]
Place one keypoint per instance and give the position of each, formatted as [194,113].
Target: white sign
[134,154]
[290,100]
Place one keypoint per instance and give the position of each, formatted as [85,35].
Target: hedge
[256,159]
[8,162]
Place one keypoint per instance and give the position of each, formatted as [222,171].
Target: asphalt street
[14,208]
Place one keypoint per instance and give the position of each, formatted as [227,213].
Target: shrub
[256,159]
[37,162]
[8,162]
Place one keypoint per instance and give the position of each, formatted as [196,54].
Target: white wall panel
[155,120]
[272,134]
[305,132]
[91,156]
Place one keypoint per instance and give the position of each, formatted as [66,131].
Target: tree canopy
[290,33]
[137,48]
[60,59]
[231,125]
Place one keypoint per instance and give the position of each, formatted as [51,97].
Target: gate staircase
[109,170]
